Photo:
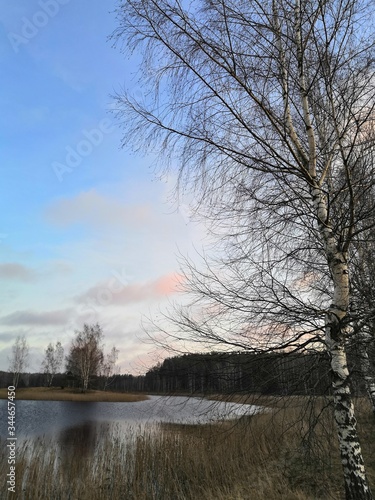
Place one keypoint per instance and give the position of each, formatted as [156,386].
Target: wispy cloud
[96,210]
[15,271]
[58,317]
[137,292]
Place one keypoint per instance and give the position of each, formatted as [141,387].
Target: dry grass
[282,455]
[262,400]
[67,394]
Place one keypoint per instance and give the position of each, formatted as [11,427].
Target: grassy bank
[285,454]
[67,394]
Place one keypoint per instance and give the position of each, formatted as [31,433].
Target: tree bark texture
[356,483]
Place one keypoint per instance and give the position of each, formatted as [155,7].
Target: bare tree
[19,359]
[108,368]
[86,354]
[267,105]
[52,363]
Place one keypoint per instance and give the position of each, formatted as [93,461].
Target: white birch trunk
[356,483]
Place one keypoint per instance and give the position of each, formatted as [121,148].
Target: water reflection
[80,440]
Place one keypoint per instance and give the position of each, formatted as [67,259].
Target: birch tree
[265,106]
[53,359]
[19,359]
[86,354]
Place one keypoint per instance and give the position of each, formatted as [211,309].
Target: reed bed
[68,394]
[288,454]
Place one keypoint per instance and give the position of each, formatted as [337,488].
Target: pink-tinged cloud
[14,271]
[114,293]
[31,318]
[93,209]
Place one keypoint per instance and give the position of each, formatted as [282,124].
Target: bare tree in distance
[267,106]
[53,360]
[108,368]
[19,360]
[86,354]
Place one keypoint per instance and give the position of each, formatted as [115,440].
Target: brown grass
[67,394]
[281,455]
[262,400]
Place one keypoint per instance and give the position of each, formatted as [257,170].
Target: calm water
[51,418]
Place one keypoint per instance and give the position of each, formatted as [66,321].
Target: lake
[50,418]
[70,450]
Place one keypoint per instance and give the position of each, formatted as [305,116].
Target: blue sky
[86,231]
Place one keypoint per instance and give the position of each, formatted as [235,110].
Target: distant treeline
[242,372]
[268,373]
[271,373]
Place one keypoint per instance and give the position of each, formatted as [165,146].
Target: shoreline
[68,394]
